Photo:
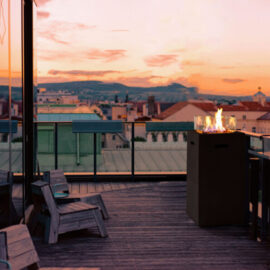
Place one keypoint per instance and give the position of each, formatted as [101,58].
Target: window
[113,137]
[254,129]
[244,117]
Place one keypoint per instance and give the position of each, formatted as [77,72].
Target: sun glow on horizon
[220,47]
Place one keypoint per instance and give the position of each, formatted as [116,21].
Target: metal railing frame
[95,172]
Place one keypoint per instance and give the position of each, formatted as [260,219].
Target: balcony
[148,226]
[149,229]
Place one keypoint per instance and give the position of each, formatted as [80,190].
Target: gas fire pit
[216,172]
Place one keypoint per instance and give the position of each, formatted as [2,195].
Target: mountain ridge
[102,91]
[99,90]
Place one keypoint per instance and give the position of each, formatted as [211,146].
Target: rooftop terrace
[149,229]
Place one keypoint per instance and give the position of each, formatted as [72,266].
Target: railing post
[263,187]
[132,149]
[56,146]
[95,156]
[35,148]
[253,195]
[28,97]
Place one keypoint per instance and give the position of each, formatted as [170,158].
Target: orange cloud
[233,80]
[192,63]
[43,14]
[106,55]
[81,72]
[161,60]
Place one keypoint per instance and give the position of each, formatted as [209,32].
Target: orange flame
[215,125]
[208,124]
[218,121]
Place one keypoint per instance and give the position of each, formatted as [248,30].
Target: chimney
[151,105]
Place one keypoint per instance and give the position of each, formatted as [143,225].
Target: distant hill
[98,90]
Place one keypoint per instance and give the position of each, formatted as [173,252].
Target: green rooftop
[169,126]
[66,117]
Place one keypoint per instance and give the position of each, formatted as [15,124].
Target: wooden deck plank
[149,229]
[91,187]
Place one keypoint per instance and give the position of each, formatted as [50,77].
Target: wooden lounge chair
[59,186]
[61,218]
[7,210]
[17,251]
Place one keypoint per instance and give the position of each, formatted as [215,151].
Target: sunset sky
[219,46]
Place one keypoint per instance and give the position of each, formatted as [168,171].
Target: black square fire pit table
[216,178]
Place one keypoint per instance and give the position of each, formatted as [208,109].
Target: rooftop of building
[233,108]
[211,107]
[255,106]
[265,116]
[65,117]
[205,106]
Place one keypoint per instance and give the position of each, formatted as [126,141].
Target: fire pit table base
[216,178]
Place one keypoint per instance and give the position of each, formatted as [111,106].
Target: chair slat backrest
[43,198]
[16,247]
[57,180]
[3,176]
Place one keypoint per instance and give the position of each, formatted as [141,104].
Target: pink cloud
[106,55]
[84,26]
[53,55]
[161,60]
[42,2]
[50,35]
[43,14]
[55,30]
[236,80]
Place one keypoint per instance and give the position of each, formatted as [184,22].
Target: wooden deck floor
[149,229]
